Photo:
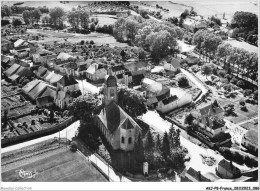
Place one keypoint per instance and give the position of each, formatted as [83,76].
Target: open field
[60,165]
[98,38]
[244,45]
[202,7]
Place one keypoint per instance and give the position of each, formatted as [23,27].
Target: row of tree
[238,61]
[78,18]
[32,16]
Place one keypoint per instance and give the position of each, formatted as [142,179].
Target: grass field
[98,38]
[62,166]
[205,8]
[244,45]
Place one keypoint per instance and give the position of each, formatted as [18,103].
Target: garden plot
[249,125]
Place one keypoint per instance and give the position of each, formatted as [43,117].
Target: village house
[35,89]
[43,56]
[226,170]
[173,65]
[118,69]
[173,102]
[193,25]
[210,123]
[96,72]
[65,86]
[46,98]
[155,92]
[119,129]
[192,175]
[21,72]
[250,140]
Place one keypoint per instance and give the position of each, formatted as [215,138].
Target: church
[119,129]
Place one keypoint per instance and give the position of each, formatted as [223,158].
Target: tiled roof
[41,71]
[228,166]
[113,116]
[197,175]
[117,68]
[12,70]
[67,80]
[252,137]
[30,85]
[169,99]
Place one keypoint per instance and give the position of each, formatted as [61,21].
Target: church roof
[113,117]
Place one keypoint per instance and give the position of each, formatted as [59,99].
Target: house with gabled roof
[192,175]
[12,70]
[226,170]
[119,129]
[250,140]
[96,72]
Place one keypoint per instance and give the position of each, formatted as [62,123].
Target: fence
[26,137]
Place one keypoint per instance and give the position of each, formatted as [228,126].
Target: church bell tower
[110,88]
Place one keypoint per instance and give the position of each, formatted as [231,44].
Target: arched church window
[112,92]
[122,140]
[129,140]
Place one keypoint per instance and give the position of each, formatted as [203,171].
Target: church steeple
[110,88]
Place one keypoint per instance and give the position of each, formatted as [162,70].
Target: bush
[4,22]
[234,80]
[247,92]
[250,162]
[222,73]
[73,146]
[242,102]
[241,83]
[183,82]
[238,158]
[243,108]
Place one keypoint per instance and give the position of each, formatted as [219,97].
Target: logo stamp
[26,174]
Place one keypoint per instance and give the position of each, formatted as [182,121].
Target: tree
[26,16]
[189,119]
[241,83]
[36,14]
[57,16]
[148,141]
[84,107]
[51,115]
[5,11]
[183,82]
[206,70]
[17,22]
[46,19]
[132,102]
[73,146]
[5,118]
[165,146]
[139,150]
[158,142]
[245,19]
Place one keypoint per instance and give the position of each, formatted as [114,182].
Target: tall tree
[206,70]
[26,16]
[5,11]
[37,15]
[148,141]
[139,150]
[132,102]
[165,145]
